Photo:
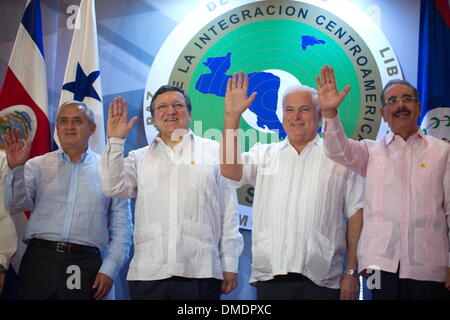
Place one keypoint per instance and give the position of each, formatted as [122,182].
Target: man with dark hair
[187,240]
[169,88]
[71,221]
[405,237]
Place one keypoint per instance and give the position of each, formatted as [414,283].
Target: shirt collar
[390,136]
[63,156]
[157,140]
[285,143]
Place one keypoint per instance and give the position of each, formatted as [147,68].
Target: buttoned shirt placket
[173,210]
[405,177]
[71,197]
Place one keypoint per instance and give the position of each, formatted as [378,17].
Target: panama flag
[434,68]
[24,104]
[82,77]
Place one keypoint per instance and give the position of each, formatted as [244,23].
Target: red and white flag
[23,97]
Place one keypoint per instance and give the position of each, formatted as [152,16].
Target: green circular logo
[277,44]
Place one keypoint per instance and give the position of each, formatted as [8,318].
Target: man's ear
[93,128]
[382,113]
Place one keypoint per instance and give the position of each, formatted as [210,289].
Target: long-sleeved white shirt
[8,236]
[300,211]
[186,220]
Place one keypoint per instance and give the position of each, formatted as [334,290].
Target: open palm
[17,150]
[329,97]
[236,99]
[117,125]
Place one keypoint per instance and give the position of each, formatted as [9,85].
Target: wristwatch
[3,269]
[352,272]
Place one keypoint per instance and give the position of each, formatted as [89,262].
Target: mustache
[401,110]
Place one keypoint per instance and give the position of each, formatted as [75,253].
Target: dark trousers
[176,288]
[391,287]
[48,274]
[294,286]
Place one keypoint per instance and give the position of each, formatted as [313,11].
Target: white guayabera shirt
[8,236]
[300,211]
[186,219]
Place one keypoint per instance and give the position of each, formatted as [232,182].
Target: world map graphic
[266,84]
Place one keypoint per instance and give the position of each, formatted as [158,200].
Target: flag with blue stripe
[434,68]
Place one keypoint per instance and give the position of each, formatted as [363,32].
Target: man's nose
[298,114]
[172,109]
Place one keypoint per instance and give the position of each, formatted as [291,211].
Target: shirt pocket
[201,175]
[375,238]
[148,243]
[196,242]
[262,252]
[380,171]
[431,247]
[319,255]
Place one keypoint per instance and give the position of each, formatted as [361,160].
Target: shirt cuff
[20,170]
[109,268]
[12,175]
[230,264]
[117,141]
[331,124]
[4,261]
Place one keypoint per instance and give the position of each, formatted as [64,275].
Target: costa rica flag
[24,104]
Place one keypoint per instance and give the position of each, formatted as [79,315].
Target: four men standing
[307,218]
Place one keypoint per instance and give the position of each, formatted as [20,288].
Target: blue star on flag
[83,85]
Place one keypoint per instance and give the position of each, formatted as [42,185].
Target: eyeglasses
[394,100]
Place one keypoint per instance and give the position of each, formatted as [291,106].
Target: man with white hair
[307,210]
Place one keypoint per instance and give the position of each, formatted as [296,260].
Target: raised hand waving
[329,97]
[236,98]
[17,149]
[117,125]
